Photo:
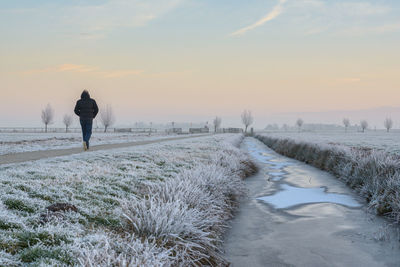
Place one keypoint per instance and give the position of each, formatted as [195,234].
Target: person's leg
[89,131]
[84,133]
[83,129]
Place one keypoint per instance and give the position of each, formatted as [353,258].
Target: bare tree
[388,123]
[217,123]
[67,120]
[107,117]
[247,119]
[299,123]
[346,123]
[47,116]
[364,125]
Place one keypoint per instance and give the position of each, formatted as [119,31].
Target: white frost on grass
[291,196]
[155,205]
[104,249]
[379,140]
[25,142]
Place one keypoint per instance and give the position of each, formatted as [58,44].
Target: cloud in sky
[94,19]
[341,8]
[321,16]
[76,68]
[362,8]
[118,13]
[274,13]
[342,17]
[382,29]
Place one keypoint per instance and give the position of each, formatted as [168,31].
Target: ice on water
[291,196]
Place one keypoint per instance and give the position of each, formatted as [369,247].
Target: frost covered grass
[24,142]
[155,205]
[375,174]
[379,139]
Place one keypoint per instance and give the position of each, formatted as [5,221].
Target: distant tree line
[387,123]
[107,117]
[363,126]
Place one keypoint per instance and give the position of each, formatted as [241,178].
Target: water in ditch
[297,215]
[288,195]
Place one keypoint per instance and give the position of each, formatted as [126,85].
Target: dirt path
[277,225]
[36,155]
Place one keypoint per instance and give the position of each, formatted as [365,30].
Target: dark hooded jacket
[86,108]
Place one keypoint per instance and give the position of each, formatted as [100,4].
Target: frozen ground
[24,142]
[154,205]
[379,139]
[305,218]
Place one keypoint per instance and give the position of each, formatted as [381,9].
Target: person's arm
[77,109]
[95,109]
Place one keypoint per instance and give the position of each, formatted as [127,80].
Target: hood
[85,95]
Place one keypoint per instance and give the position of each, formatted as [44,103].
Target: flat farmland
[27,142]
[379,140]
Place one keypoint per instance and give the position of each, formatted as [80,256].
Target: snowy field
[380,139]
[154,205]
[24,142]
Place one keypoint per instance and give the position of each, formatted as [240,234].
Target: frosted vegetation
[24,142]
[375,174]
[155,205]
[379,140]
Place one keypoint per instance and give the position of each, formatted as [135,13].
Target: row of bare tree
[107,117]
[387,123]
[246,116]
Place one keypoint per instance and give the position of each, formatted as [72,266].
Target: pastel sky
[189,60]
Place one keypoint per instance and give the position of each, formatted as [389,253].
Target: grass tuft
[18,204]
[36,253]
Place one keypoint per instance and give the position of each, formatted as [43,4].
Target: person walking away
[86,108]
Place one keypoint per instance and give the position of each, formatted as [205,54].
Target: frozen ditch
[298,215]
[288,195]
[292,196]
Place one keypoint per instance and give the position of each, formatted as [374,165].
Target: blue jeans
[86,125]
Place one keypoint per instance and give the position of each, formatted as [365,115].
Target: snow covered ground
[24,142]
[380,139]
[159,204]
